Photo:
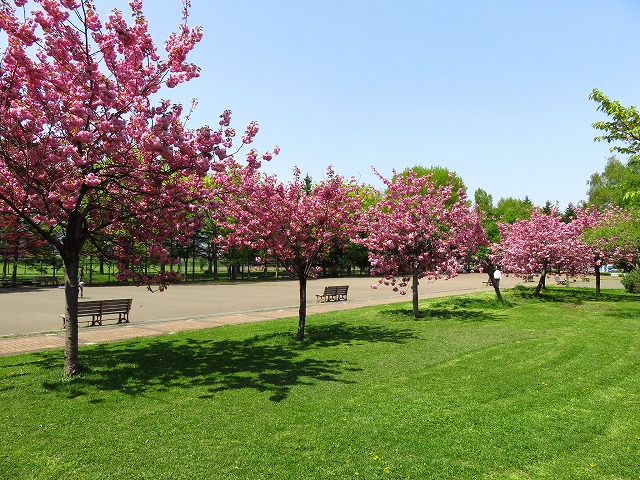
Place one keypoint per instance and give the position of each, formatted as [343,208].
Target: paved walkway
[30,321]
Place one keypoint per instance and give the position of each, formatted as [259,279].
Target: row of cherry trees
[93,160]
[419,228]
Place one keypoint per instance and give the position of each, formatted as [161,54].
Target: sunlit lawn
[537,389]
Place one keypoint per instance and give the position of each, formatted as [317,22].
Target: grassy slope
[540,389]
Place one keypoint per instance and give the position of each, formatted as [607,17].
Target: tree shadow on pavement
[268,363]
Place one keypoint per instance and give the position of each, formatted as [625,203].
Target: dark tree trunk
[193,256]
[490,268]
[496,286]
[302,312]
[71,247]
[14,273]
[542,282]
[215,262]
[414,290]
[71,360]
[233,272]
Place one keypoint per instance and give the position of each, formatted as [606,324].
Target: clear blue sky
[496,90]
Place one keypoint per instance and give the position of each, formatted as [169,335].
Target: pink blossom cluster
[419,230]
[540,244]
[288,223]
[82,146]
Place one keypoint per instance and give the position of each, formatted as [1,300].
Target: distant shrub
[631,281]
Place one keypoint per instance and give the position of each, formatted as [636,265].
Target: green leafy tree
[622,130]
[483,200]
[441,176]
[484,203]
[610,187]
[511,209]
[569,214]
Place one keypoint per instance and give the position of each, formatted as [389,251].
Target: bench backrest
[116,306]
[92,307]
[339,290]
[97,307]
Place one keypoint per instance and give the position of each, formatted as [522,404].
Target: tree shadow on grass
[575,295]
[461,308]
[266,363]
[442,313]
[334,334]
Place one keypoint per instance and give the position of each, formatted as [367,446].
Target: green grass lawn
[544,388]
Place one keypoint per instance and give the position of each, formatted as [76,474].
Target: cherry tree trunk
[71,247]
[496,287]
[414,289]
[597,270]
[542,282]
[71,361]
[490,268]
[302,312]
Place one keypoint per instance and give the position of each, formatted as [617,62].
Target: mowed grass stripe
[532,389]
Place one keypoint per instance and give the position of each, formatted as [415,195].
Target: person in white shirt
[497,275]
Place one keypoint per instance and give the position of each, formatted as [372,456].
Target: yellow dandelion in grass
[386,470]
[544,383]
[592,465]
[375,457]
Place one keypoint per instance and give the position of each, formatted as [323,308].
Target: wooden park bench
[487,283]
[46,281]
[560,281]
[40,282]
[96,309]
[333,294]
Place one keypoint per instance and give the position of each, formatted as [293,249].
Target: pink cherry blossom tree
[89,153]
[419,229]
[589,219]
[539,244]
[291,223]
[612,235]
